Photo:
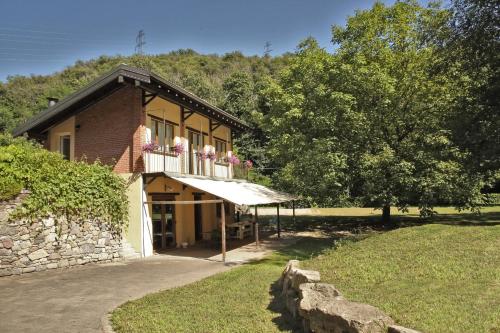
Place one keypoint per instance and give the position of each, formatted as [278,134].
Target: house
[174,149]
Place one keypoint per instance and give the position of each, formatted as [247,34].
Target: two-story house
[174,149]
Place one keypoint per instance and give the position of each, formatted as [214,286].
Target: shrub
[9,188]
[76,190]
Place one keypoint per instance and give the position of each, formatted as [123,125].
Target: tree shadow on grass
[285,321]
[361,224]
[345,227]
[303,249]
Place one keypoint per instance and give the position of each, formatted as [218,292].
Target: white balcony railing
[182,159]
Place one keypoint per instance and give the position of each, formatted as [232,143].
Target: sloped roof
[109,82]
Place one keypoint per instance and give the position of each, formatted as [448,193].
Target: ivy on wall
[76,190]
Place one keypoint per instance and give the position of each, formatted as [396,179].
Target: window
[162,134]
[65,146]
[220,150]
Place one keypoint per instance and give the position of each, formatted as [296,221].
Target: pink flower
[249,164]
[233,159]
[178,149]
[211,156]
[149,147]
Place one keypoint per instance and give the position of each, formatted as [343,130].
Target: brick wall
[112,131]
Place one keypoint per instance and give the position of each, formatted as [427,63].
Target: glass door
[163,220]
[196,149]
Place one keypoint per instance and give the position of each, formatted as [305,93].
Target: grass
[239,300]
[439,277]
[434,278]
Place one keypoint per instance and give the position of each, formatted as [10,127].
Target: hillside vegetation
[21,97]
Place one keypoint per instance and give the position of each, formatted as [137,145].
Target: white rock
[39,254]
[48,222]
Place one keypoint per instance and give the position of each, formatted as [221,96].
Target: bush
[9,188]
[76,190]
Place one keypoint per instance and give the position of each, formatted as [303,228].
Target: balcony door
[196,163]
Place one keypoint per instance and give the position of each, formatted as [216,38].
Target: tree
[304,122]
[474,53]
[240,100]
[372,116]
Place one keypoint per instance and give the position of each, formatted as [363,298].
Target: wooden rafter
[188,113]
[147,98]
[215,125]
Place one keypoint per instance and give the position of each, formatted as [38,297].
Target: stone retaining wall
[52,243]
[321,308]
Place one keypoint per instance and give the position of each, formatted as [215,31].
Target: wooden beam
[189,114]
[147,97]
[181,125]
[211,143]
[257,242]
[278,216]
[223,231]
[187,202]
[215,125]
[174,97]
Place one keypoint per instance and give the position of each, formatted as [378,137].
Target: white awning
[236,191]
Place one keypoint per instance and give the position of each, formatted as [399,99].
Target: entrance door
[163,219]
[198,224]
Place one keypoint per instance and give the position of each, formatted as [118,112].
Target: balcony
[200,162]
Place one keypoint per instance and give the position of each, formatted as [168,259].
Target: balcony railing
[200,163]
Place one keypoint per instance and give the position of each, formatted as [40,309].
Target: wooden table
[243,229]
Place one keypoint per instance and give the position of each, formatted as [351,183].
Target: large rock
[325,310]
[343,316]
[300,276]
[292,277]
[313,295]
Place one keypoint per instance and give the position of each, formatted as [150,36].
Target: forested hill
[205,75]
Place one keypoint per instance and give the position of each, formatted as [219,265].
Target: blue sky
[41,37]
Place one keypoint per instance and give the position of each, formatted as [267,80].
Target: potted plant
[234,160]
[178,148]
[149,147]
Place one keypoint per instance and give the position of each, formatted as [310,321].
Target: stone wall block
[50,243]
[299,276]
[321,308]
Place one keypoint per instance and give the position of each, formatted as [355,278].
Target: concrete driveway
[74,300]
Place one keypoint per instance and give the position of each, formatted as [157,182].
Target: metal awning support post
[293,210]
[278,216]
[256,227]
[223,231]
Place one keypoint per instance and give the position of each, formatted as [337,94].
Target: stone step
[128,252]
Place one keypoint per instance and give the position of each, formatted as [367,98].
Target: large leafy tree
[241,99]
[474,54]
[369,122]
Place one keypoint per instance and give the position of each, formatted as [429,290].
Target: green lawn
[435,278]
[239,300]
[442,277]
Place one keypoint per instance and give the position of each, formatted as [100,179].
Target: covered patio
[234,234]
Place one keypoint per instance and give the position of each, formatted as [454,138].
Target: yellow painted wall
[134,193]
[184,214]
[223,132]
[197,122]
[66,127]
[160,107]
